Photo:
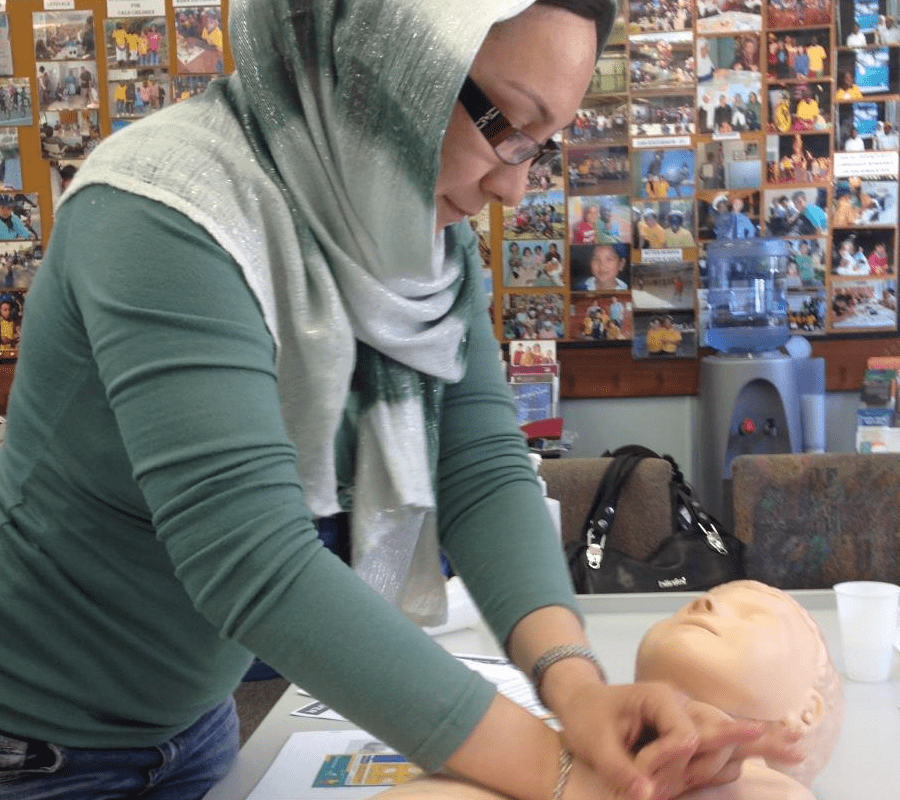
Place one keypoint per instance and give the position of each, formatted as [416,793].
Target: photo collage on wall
[709,121]
[92,72]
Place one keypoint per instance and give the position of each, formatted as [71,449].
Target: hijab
[314,167]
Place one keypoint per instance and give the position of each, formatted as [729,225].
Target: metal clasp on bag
[595,549]
[713,538]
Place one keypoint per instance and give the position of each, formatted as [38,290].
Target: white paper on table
[508,679]
[293,773]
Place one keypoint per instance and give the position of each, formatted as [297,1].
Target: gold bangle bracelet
[562,778]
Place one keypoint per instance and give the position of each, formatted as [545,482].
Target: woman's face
[740,647]
[536,68]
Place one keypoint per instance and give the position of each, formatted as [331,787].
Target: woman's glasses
[511,145]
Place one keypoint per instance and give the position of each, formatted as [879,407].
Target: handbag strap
[602,514]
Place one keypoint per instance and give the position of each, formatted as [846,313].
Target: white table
[865,764]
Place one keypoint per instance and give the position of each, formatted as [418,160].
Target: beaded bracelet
[560,653]
[562,778]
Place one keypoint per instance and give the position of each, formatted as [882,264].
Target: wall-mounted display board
[71,73]
[707,121]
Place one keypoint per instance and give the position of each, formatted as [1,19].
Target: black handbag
[697,555]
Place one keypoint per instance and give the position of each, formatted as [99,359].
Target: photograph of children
[664,224]
[662,335]
[799,107]
[15,101]
[662,285]
[735,107]
[532,354]
[70,133]
[20,216]
[12,309]
[186,86]
[660,15]
[10,159]
[599,267]
[533,316]
[807,312]
[798,159]
[598,170]
[19,262]
[540,215]
[799,13]
[661,60]
[598,219]
[806,263]
[659,173]
[729,164]
[601,318]
[856,254]
[663,115]
[535,263]
[721,16]
[600,119]
[136,42]
[863,304]
[137,92]
[867,73]
[610,73]
[67,84]
[798,212]
[800,55]
[869,125]
[860,203]
[200,39]
[728,215]
[63,35]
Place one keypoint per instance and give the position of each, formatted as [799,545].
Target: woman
[268,349]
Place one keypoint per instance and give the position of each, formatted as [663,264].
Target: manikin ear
[808,715]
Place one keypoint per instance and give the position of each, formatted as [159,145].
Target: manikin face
[605,266]
[742,647]
[537,78]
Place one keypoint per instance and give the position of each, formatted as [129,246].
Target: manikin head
[754,652]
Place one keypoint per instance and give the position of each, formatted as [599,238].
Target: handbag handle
[600,518]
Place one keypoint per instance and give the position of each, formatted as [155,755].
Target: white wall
[667,425]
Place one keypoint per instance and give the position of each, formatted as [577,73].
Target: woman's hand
[649,741]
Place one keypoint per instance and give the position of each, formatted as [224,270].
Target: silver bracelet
[560,653]
[562,778]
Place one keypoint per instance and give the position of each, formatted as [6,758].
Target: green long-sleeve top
[153,531]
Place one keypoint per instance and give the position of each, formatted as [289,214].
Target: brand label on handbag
[672,583]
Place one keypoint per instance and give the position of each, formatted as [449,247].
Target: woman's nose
[507,182]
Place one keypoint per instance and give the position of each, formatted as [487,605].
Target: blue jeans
[182,768]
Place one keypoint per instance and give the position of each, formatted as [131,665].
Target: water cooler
[754,398]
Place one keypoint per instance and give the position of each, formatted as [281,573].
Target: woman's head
[535,68]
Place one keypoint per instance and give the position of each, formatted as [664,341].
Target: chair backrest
[813,520]
[644,517]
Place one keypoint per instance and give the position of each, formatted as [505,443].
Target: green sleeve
[186,363]
[494,523]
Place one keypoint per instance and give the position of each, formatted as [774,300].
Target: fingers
[778,742]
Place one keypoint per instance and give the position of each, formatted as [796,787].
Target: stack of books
[877,429]
[533,375]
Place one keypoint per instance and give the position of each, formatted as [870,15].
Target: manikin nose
[704,605]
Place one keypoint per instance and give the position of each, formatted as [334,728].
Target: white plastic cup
[867,613]
[812,422]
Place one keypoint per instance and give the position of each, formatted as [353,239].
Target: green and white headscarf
[314,166]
